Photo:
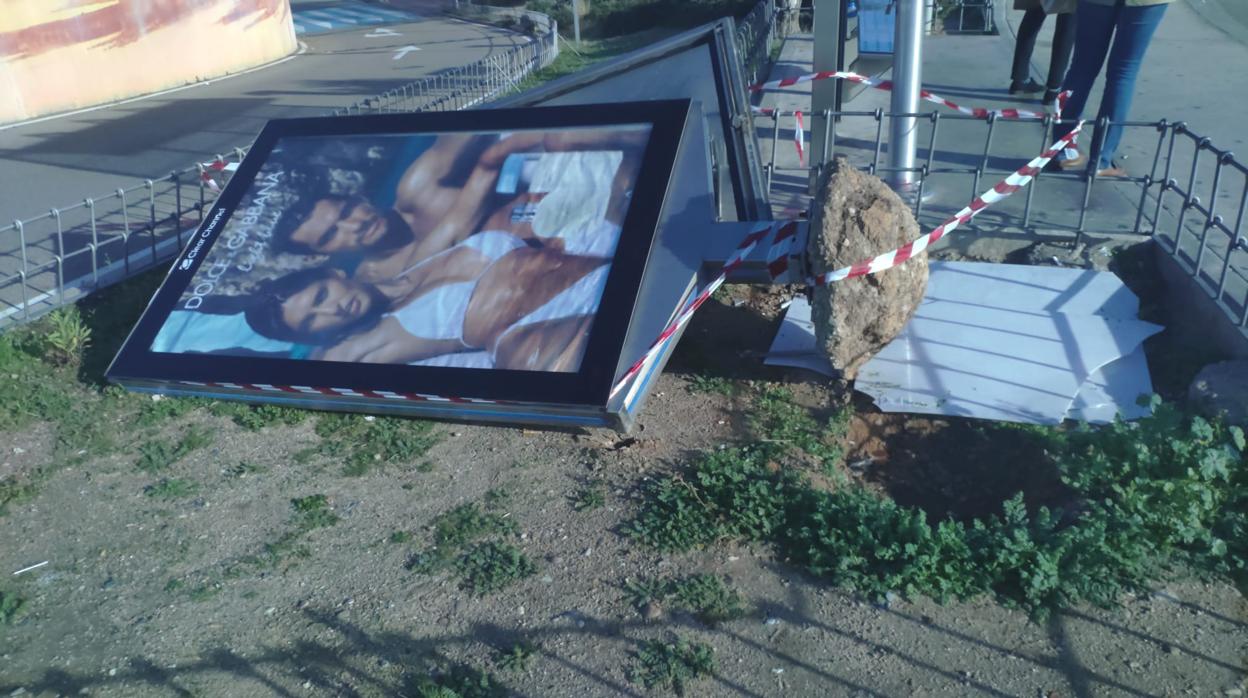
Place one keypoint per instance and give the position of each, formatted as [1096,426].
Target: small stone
[270,611]
[18,450]
[112,672]
[307,684]
[1233,692]
[547,579]
[651,611]
[771,621]
[18,692]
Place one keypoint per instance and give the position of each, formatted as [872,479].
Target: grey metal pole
[576,21]
[907,81]
[827,56]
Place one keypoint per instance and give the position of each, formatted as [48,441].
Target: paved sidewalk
[1194,72]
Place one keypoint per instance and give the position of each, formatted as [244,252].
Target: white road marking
[404,51]
[380,32]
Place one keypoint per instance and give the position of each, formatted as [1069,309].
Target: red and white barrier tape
[206,174]
[887,85]
[345,392]
[1017,180]
[781,249]
[743,250]
[799,137]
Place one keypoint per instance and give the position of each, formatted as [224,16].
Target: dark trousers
[1063,43]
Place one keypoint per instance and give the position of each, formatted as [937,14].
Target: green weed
[517,658]
[312,512]
[706,383]
[13,491]
[644,592]
[155,456]
[256,417]
[704,595]
[707,597]
[777,419]
[491,566]
[400,537]
[158,409]
[590,497]
[171,488]
[365,443]
[1165,489]
[68,336]
[671,664]
[244,469]
[11,607]
[469,522]
[467,542]
[458,682]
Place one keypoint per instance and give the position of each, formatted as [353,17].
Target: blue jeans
[1130,29]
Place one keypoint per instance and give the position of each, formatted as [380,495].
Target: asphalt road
[60,160]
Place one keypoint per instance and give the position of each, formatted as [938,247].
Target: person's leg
[1028,30]
[1093,32]
[1063,45]
[1136,26]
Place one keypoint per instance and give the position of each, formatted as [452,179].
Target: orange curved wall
[57,55]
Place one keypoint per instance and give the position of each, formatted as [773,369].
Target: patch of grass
[497,497]
[13,491]
[171,488]
[11,607]
[574,58]
[592,496]
[707,597]
[244,469]
[707,383]
[517,658]
[174,584]
[468,522]
[400,537]
[671,664]
[256,417]
[643,592]
[157,409]
[778,419]
[1165,489]
[460,681]
[204,592]
[704,595]
[491,566]
[155,456]
[364,443]
[468,541]
[68,336]
[312,512]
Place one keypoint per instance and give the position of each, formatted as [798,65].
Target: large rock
[855,217]
[1221,391]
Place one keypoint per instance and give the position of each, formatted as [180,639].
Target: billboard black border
[590,385]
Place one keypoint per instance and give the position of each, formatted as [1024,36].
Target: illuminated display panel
[483,254]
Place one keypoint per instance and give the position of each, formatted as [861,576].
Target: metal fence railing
[59,256]
[1188,195]
[961,17]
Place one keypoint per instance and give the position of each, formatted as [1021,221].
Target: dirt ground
[138,597]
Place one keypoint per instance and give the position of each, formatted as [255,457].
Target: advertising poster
[484,250]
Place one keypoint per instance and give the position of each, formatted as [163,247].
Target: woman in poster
[527,307]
